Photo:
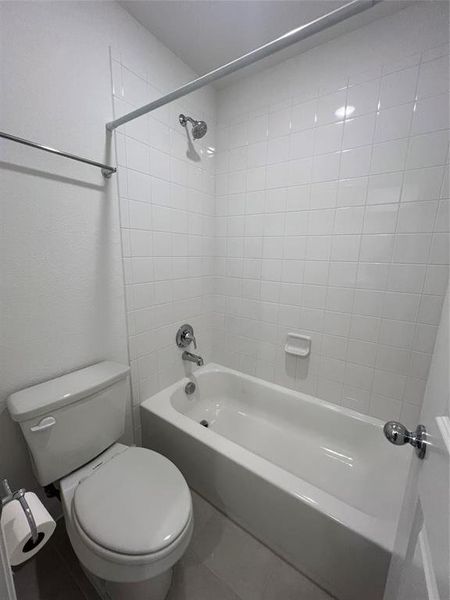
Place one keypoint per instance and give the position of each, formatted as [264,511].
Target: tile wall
[166,189]
[332,221]
[330,215]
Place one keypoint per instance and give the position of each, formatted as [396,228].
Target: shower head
[199,128]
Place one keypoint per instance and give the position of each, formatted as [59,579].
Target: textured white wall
[62,298]
[334,227]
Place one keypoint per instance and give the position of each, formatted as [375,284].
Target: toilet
[128,510]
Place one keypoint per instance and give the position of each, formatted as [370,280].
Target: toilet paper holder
[9,496]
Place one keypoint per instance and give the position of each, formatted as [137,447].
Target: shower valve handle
[185,336]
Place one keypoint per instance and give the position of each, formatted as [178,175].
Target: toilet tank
[69,420]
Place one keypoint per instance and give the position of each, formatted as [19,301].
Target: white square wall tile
[396,333]
[356,162]
[368,302]
[403,307]
[384,188]
[336,324]
[389,156]
[364,328]
[279,122]
[436,279]
[328,107]
[318,247]
[428,150]
[417,217]
[406,278]
[352,192]
[358,131]
[422,184]
[412,248]
[362,353]
[325,167]
[339,299]
[440,249]
[328,138]
[357,375]
[384,408]
[301,144]
[389,384]
[430,309]
[303,115]
[349,220]
[424,338]
[372,276]
[431,114]
[364,97]
[393,123]
[399,87]
[380,218]
[323,194]
[356,399]
[345,247]
[342,274]
[320,222]
[433,77]
[377,248]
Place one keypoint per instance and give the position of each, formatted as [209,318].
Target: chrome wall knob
[398,435]
[185,336]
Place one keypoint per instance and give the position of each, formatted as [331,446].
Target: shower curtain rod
[107,171]
[291,37]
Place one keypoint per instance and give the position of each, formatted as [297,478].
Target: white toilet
[128,510]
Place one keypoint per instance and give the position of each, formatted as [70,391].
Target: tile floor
[223,562]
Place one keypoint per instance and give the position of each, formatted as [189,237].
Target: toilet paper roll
[16,529]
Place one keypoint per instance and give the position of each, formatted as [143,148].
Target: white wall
[62,276]
[334,227]
[62,283]
[167,218]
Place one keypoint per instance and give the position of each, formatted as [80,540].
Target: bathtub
[316,482]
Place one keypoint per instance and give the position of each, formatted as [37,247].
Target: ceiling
[208,33]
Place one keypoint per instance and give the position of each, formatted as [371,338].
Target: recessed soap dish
[298,345]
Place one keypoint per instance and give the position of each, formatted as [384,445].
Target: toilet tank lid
[56,393]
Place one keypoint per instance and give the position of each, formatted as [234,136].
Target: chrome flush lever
[398,435]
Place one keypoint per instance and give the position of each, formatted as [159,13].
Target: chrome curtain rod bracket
[106,170]
[291,37]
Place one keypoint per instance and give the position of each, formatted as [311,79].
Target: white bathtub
[317,483]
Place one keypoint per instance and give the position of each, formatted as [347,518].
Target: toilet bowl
[129,518]
[128,510]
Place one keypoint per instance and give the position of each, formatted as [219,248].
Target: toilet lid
[137,503]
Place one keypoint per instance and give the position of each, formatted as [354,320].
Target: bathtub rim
[378,530]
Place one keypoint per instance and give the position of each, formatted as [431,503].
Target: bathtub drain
[204,422]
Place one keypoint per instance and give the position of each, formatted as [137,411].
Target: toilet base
[155,588]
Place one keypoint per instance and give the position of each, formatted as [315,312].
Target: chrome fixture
[198,360]
[185,336]
[199,128]
[398,435]
[9,496]
[107,171]
[291,37]
[189,388]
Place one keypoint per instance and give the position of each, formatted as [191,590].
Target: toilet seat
[112,473]
[137,504]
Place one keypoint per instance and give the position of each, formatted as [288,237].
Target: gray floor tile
[246,565]
[284,582]
[193,581]
[223,562]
